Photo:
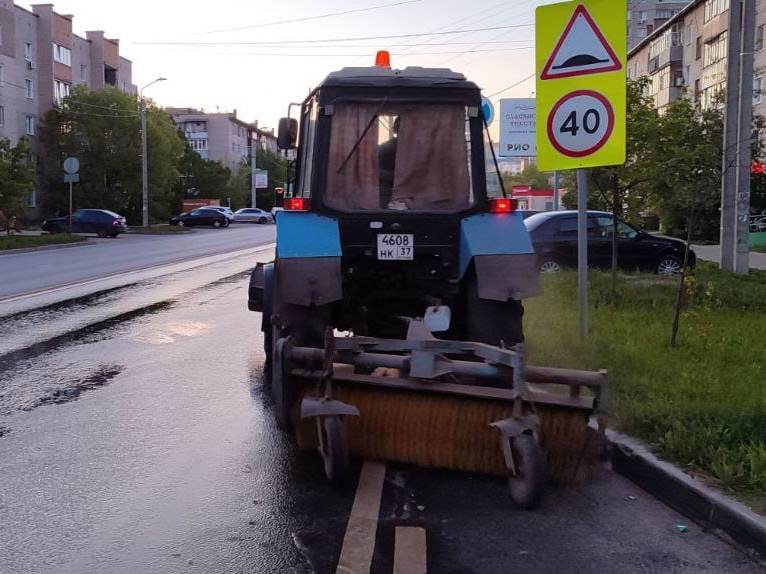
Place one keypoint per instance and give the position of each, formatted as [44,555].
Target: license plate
[396,247]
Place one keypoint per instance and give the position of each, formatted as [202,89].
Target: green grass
[160,229]
[759,248]
[28,241]
[702,404]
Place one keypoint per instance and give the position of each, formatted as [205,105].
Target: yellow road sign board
[581,84]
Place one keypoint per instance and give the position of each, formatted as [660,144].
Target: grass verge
[702,404]
[29,241]
[160,230]
[759,248]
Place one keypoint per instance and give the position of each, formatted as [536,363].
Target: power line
[326,40]
[347,55]
[308,18]
[529,77]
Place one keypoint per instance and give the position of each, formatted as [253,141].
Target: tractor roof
[411,77]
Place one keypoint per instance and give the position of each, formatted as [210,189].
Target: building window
[698,49]
[30,125]
[757,90]
[715,7]
[83,73]
[759,38]
[2,116]
[62,55]
[32,199]
[1,74]
[715,50]
[29,88]
[28,51]
[642,16]
[60,90]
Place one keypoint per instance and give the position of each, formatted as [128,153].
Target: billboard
[518,128]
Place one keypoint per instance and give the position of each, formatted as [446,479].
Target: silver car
[253,215]
[225,210]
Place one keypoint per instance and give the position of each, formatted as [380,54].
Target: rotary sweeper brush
[397,229]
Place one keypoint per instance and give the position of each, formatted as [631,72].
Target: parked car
[201,217]
[102,222]
[225,210]
[253,215]
[554,235]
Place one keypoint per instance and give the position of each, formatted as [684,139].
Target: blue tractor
[396,229]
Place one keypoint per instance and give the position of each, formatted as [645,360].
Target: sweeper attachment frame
[437,403]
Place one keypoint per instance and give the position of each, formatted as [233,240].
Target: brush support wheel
[526,483]
[334,449]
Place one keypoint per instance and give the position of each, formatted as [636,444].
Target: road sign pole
[70,208]
[582,250]
[556,191]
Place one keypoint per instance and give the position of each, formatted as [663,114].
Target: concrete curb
[689,496]
[45,248]
[166,233]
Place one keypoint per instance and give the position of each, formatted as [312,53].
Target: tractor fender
[268,297]
[501,251]
[308,266]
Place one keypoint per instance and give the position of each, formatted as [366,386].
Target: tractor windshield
[399,157]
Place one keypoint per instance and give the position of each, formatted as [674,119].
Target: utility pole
[144,168]
[744,149]
[145,155]
[730,147]
[253,189]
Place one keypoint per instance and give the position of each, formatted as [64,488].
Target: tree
[621,189]
[240,185]
[200,178]
[102,129]
[530,176]
[17,179]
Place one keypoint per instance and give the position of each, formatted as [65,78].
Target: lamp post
[144,154]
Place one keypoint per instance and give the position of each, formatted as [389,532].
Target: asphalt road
[36,271]
[136,438]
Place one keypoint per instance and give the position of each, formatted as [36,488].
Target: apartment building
[645,16]
[41,58]
[689,54]
[221,137]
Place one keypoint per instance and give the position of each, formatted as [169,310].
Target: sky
[253,56]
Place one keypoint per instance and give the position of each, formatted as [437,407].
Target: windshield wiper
[373,119]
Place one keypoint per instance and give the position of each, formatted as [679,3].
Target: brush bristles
[441,431]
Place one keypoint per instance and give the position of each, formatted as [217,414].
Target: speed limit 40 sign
[581,84]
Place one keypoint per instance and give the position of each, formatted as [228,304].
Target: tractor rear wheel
[492,322]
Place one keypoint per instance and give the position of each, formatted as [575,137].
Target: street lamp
[144,154]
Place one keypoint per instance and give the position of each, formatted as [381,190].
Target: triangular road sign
[581,50]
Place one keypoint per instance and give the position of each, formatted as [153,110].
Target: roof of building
[659,31]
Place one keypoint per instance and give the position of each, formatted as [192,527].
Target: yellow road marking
[410,550]
[359,542]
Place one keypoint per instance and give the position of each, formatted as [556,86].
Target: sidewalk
[713,253]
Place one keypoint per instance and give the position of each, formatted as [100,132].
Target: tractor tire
[492,322]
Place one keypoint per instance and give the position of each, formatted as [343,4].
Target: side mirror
[288,134]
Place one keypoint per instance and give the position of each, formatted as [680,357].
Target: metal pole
[253,189]
[556,192]
[731,117]
[70,208]
[582,250]
[744,150]
[144,167]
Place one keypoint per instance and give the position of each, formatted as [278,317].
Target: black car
[199,217]
[102,222]
[554,235]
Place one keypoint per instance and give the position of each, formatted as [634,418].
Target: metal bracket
[312,407]
[510,429]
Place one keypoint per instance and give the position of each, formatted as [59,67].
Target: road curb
[45,248]
[165,233]
[692,498]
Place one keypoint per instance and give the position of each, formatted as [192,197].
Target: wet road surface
[36,271]
[144,444]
